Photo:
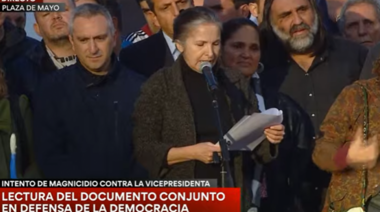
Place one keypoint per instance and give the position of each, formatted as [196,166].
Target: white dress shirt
[254,20]
[173,49]
[259,97]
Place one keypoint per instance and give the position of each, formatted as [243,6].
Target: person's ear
[254,9]
[115,38]
[37,29]
[72,42]
[179,46]
[115,22]
[244,11]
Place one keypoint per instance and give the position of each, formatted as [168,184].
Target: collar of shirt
[171,45]
[254,20]
[63,61]
[95,80]
[320,56]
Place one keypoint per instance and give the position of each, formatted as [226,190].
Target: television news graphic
[207,183]
[12,6]
[111,199]
[21,1]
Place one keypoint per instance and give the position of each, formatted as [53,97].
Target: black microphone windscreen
[206,69]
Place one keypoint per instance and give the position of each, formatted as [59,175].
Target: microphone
[206,69]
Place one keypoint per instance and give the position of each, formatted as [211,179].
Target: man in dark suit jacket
[149,55]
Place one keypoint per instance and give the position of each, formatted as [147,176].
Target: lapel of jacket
[179,97]
[168,56]
[271,97]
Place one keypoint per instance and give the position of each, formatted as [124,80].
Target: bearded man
[312,68]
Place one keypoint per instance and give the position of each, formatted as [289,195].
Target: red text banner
[120,200]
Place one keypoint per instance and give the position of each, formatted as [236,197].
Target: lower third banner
[120,199]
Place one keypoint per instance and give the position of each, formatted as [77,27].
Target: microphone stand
[224,160]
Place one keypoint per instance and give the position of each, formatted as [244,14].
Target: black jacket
[14,44]
[82,123]
[26,72]
[337,64]
[287,176]
[147,56]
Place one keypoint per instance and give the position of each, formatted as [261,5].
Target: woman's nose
[246,53]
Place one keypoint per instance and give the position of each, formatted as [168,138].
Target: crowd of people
[86,102]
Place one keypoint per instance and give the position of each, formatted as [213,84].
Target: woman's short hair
[190,18]
[232,26]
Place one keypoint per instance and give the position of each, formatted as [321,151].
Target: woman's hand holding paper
[275,133]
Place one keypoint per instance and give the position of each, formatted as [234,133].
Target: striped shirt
[137,36]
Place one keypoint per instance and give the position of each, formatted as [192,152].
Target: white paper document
[248,133]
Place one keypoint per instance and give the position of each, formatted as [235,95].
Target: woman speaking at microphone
[175,132]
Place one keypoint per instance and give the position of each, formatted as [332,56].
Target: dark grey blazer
[164,119]
[372,56]
[147,56]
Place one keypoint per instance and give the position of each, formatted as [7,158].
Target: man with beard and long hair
[54,51]
[311,67]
